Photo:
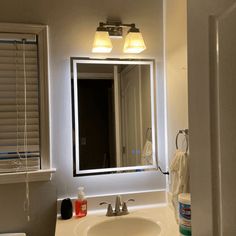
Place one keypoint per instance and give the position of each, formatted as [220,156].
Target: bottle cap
[184,198]
[81,188]
[81,194]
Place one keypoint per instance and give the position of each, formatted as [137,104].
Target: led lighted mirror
[114,116]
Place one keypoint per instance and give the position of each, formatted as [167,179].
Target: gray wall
[72,24]
[13,218]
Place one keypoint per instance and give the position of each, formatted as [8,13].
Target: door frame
[203,115]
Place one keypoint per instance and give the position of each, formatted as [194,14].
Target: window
[24,116]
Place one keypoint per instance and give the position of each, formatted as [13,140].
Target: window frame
[46,167]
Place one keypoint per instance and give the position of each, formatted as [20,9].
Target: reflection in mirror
[113,116]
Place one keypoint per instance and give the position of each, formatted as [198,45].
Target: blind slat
[20,148]
[12,74]
[12,53]
[18,67]
[19,80]
[19,164]
[21,115]
[19,108]
[30,121]
[19,134]
[19,47]
[14,141]
[19,60]
[19,128]
[12,101]
[4,156]
[18,87]
[12,94]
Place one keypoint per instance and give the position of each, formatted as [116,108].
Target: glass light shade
[102,42]
[134,43]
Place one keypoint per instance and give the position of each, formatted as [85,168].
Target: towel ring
[185,133]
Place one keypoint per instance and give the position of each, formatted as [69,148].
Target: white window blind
[19,104]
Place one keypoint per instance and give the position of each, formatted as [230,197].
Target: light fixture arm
[101,27]
[115,24]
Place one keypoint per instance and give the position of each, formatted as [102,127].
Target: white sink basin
[158,221]
[125,226]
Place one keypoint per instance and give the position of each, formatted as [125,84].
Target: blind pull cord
[27,190]
[17,163]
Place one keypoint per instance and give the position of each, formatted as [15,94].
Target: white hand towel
[179,170]
[147,153]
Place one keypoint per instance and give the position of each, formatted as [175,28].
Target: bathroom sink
[158,221]
[125,226]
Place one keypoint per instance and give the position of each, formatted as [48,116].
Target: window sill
[19,177]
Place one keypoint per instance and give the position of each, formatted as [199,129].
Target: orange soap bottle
[81,204]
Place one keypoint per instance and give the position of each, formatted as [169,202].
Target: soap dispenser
[81,204]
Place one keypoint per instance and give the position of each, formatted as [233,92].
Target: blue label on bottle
[185,219]
[185,211]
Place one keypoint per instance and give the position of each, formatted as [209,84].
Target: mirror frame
[74,61]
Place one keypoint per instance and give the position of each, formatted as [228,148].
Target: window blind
[19,104]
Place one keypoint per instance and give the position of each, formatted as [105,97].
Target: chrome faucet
[120,207]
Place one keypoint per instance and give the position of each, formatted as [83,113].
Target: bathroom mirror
[114,116]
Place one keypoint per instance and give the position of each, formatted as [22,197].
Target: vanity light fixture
[102,42]
[134,42]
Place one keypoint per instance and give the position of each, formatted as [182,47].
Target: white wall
[74,38]
[176,70]
[72,25]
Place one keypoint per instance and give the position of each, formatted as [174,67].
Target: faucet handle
[109,208]
[103,203]
[130,200]
[124,206]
